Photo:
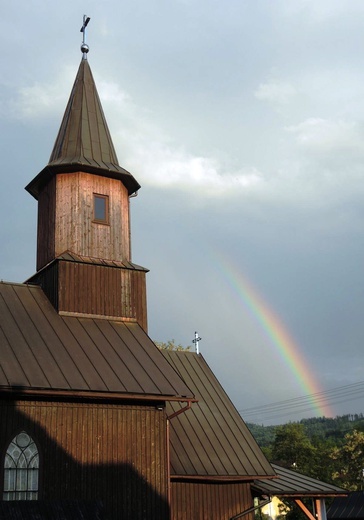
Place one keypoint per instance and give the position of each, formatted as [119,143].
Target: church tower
[83,246]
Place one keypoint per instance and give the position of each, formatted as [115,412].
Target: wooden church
[96,422]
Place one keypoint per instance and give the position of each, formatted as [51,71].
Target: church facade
[94,417]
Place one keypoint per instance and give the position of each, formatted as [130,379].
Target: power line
[298,405]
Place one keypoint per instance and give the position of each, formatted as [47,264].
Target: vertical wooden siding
[65,218]
[209,501]
[103,291]
[115,453]
[96,290]
[75,229]
[46,224]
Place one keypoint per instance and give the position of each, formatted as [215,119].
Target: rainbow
[274,329]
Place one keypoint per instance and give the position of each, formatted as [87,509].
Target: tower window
[101,208]
[21,469]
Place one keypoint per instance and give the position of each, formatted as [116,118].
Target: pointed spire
[84,142]
[84,136]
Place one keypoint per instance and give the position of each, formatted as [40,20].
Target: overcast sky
[244,123]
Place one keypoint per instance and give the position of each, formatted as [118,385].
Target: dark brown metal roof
[69,256]
[295,485]
[83,142]
[211,439]
[351,506]
[41,350]
[73,257]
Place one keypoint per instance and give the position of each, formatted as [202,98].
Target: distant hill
[328,429]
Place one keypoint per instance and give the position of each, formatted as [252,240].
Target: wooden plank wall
[116,453]
[102,291]
[48,281]
[46,224]
[65,218]
[138,294]
[75,229]
[209,501]
[96,290]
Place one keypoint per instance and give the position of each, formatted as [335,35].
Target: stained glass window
[21,469]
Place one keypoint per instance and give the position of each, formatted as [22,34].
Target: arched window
[21,469]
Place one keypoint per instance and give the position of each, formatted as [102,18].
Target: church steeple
[84,138]
[83,251]
[83,141]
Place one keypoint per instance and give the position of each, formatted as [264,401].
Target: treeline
[330,449]
[323,427]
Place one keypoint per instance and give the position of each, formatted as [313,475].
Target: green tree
[349,462]
[171,345]
[293,449]
[321,465]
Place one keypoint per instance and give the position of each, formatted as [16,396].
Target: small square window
[101,208]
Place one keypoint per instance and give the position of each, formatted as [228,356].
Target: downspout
[168,466]
[182,410]
[169,417]
[251,509]
[129,228]
[129,221]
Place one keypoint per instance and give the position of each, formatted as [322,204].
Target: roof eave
[37,184]
[222,478]
[309,495]
[18,392]
[69,256]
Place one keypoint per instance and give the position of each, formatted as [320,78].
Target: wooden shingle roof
[84,142]
[210,440]
[41,351]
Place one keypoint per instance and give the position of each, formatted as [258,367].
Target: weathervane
[195,341]
[84,47]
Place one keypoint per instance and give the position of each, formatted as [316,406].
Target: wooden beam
[303,508]
[320,508]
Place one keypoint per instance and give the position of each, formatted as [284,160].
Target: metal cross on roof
[84,47]
[195,341]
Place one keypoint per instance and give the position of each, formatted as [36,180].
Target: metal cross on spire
[84,47]
[195,341]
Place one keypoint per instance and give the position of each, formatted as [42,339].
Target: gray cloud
[244,125]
